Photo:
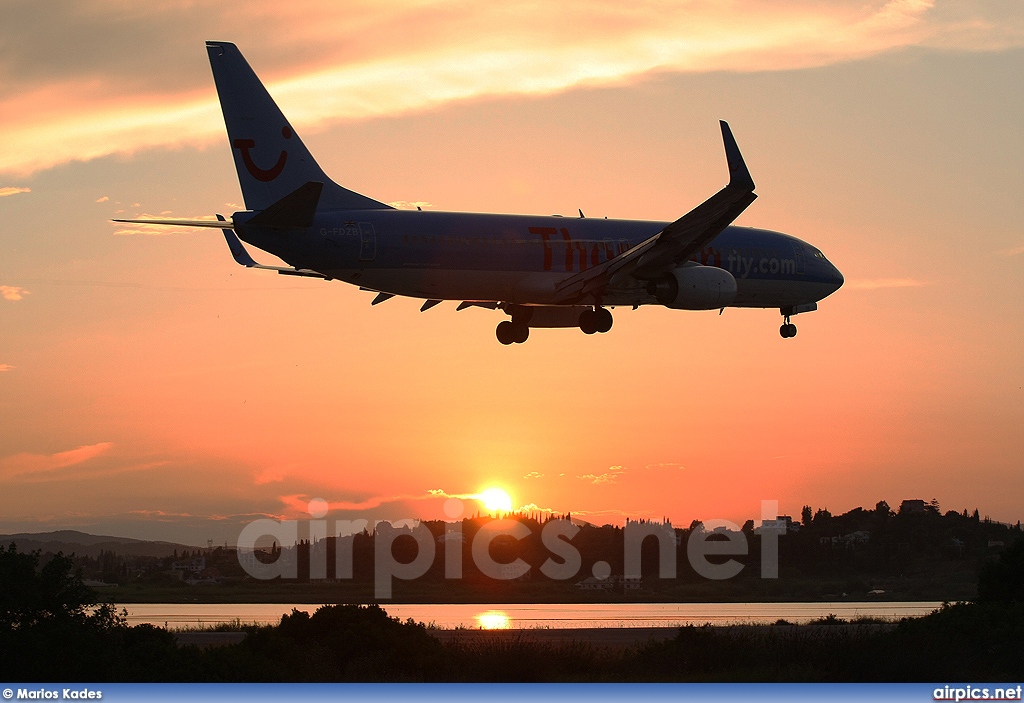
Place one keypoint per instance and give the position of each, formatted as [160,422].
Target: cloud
[610,476]
[410,204]
[128,230]
[534,508]
[322,64]
[665,465]
[299,503]
[12,292]
[1013,251]
[26,464]
[876,283]
[6,367]
[11,190]
[103,199]
[534,474]
[598,479]
[441,493]
[163,515]
[148,230]
[270,475]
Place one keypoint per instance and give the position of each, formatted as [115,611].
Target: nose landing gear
[788,329]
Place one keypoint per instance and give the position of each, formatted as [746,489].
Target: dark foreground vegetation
[915,552]
[51,630]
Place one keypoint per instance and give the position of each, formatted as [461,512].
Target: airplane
[540,271]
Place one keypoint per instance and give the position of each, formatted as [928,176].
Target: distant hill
[84,544]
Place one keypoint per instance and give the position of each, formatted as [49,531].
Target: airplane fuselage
[517,258]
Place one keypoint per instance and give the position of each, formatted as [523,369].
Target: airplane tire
[604,320]
[521,333]
[506,332]
[788,330]
[588,321]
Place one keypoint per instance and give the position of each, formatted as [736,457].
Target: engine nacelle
[694,287]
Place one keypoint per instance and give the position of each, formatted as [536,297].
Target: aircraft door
[367,242]
[798,254]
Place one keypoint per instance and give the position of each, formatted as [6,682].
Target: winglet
[739,176]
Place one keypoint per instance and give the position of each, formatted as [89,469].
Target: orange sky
[150,387]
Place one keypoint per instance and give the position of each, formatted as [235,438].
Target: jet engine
[694,287]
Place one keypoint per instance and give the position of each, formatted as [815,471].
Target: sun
[496,500]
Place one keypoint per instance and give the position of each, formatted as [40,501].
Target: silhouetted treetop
[30,595]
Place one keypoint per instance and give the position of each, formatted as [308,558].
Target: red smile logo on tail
[260,174]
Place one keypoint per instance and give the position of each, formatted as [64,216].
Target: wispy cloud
[598,479]
[612,475]
[534,508]
[128,230]
[410,204]
[20,465]
[103,199]
[163,515]
[142,229]
[665,465]
[439,52]
[1012,252]
[876,283]
[270,475]
[12,292]
[299,503]
[6,367]
[10,190]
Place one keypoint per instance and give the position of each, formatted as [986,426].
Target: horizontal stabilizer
[180,222]
[296,209]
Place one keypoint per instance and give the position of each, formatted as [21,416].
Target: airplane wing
[678,241]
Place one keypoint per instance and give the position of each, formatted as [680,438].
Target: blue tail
[271,160]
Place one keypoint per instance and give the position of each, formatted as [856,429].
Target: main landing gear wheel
[599,320]
[509,332]
[588,321]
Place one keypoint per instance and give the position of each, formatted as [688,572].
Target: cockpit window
[819,255]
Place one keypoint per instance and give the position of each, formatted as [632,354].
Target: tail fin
[271,160]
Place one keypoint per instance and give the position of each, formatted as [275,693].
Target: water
[554,616]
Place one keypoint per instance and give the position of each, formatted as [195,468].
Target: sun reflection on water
[494,620]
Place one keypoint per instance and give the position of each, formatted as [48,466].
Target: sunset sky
[152,388]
